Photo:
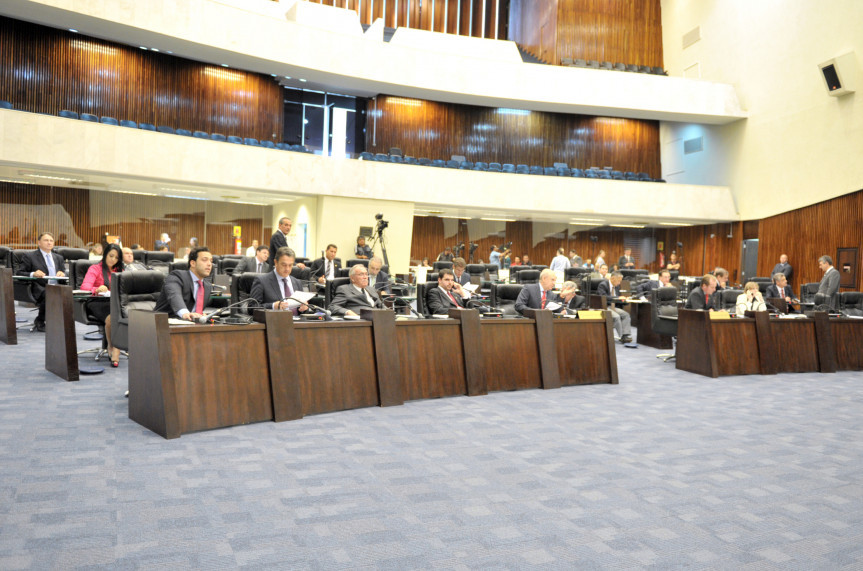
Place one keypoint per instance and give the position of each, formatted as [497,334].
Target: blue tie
[49,260]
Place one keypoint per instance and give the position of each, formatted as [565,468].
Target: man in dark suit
[378,280]
[460,276]
[326,267]
[569,297]
[446,255]
[279,239]
[702,296]
[164,241]
[783,267]
[352,298]
[780,288]
[538,295]
[185,293]
[830,282]
[256,264]
[40,263]
[271,288]
[610,288]
[650,285]
[447,295]
[626,261]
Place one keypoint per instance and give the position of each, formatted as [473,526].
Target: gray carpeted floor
[665,470]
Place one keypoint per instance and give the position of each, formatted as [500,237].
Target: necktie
[199,299]
[452,297]
[543,300]
[329,268]
[260,269]
[49,261]
[288,293]
[706,301]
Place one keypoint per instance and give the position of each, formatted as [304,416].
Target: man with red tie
[537,296]
[702,297]
[185,293]
[447,295]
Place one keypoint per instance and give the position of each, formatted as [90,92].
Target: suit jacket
[177,293]
[604,288]
[439,303]
[648,286]
[696,299]
[348,298]
[382,283]
[830,282]
[318,268]
[250,264]
[743,305]
[623,260]
[783,269]
[773,291]
[277,240]
[35,260]
[464,279]
[531,297]
[267,290]
[161,244]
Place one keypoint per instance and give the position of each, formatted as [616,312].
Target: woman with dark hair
[98,280]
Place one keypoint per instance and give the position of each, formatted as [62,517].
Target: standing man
[378,280]
[458,269]
[447,295]
[623,322]
[326,267]
[273,287]
[559,263]
[185,293]
[256,264]
[537,296]
[362,252]
[494,257]
[352,298]
[783,267]
[279,238]
[250,251]
[40,263]
[702,297]
[626,261]
[830,282]
[575,260]
[446,255]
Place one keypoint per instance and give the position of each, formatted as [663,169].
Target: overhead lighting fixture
[16,181]
[582,224]
[627,225]
[73,30]
[404,101]
[302,80]
[135,192]
[186,197]
[170,189]
[505,111]
[456,217]
[225,65]
[244,202]
[143,47]
[153,50]
[673,224]
[499,219]
[588,219]
[51,177]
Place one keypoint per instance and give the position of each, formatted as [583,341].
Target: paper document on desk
[470,287]
[553,306]
[299,296]
[173,321]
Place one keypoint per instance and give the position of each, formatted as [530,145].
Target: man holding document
[273,290]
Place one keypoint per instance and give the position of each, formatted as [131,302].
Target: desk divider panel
[284,378]
[471,350]
[510,354]
[61,348]
[386,355]
[431,358]
[8,332]
[766,343]
[695,350]
[826,342]
[847,335]
[152,395]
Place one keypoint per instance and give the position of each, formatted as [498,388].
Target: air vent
[691,36]
[695,145]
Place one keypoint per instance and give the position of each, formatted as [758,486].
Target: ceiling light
[302,80]
[49,177]
[581,224]
[73,30]
[674,224]
[252,203]
[153,50]
[627,225]
[186,197]
[135,192]
[456,217]
[169,189]
[499,219]
[16,181]
[143,47]
[588,219]
[225,65]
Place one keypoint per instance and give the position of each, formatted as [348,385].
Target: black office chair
[228,265]
[663,317]
[576,275]
[132,291]
[437,266]
[5,257]
[513,271]
[824,302]
[139,255]
[302,274]
[493,270]
[431,277]
[331,287]
[422,296]
[527,277]
[631,274]
[808,291]
[241,287]
[475,270]
[728,299]
[675,274]
[23,291]
[164,257]
[181,265]
[503,297]
[538,267]
[70,254]
[851,303]
[355,261]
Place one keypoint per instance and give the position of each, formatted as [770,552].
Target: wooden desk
[8,331]
[61,347]
[762,345]
[642,319]
[211,376]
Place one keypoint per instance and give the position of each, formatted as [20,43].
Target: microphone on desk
[408,305]
[318,308]
[219,287]
[221,311]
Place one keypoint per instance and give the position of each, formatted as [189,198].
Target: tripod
[380,239]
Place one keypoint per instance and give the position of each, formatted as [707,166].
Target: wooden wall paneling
[807,233]
[533,25]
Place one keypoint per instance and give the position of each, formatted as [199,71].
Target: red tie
[543,300]
[453,299]
[199,299]
[706,300]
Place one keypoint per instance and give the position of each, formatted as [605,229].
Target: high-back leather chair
[22,289]
[475,270]
[139,256]
[241,287]
[71,254]
[663,317]
[331,287]
[164,257]
[5,257]
[353,262]
[422,297]
[808,291]
[493,270]
[527,277]
[576,274]
[824,302]
[228,265]
[851,303]
[437,266]
[78,271]
[503,297]
[132,291]
[728,299]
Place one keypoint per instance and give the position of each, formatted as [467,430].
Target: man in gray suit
[272,288]
[830,282]
[352,298]
[447,295]
[256,264]
[783,267]
[537,296]
[379,280]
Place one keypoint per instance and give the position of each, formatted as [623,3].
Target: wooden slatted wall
[44,70]
[439,130]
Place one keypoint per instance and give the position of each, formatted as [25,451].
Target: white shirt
[559,263]
[368,296]
[250,251]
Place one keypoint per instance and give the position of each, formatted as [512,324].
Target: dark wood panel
[439,130]
[61,349]
[45,70]
[510,355]
[807,233]
[337,369]
[787,336]
[582,352]
[737,347]
[848,341]
[431,362]
[8,332]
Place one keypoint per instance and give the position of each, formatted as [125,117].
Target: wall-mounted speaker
[840,74]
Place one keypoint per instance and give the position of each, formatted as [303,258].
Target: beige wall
[799,146]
